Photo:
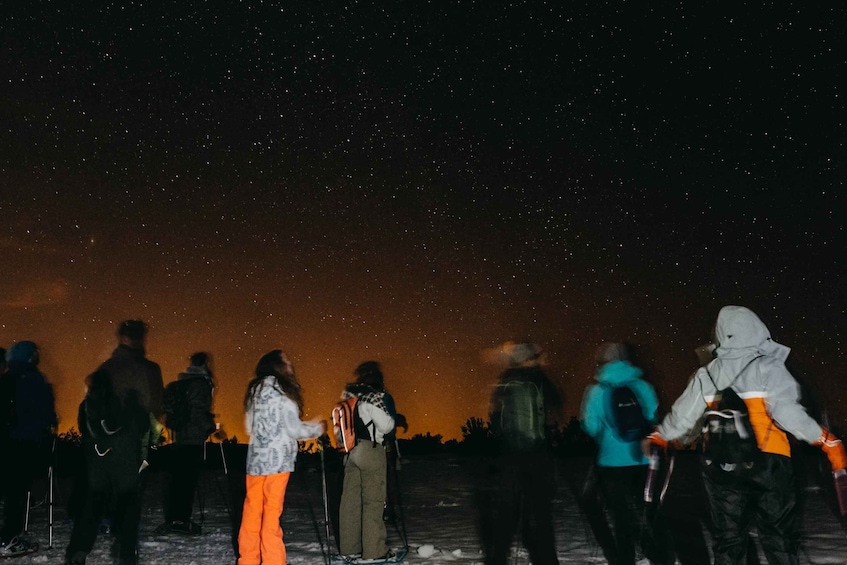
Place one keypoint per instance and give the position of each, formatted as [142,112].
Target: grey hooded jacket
[754,365]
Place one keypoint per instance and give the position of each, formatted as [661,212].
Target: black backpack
[177,405]
[730,447]
[628,418]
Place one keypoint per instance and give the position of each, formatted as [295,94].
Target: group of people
[125,401]
[745,363]
[123,415]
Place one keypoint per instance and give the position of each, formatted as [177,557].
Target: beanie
[23,351]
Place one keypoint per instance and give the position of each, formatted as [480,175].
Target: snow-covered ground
[440,517]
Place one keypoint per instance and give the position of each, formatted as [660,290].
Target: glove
[834,450]
[651,441]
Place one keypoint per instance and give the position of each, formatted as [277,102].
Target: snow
[440,516]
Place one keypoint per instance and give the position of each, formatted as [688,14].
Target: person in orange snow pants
[260,536]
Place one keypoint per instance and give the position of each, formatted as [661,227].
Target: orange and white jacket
[754,365]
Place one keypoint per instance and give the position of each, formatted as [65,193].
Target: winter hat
[24,352]
[610,352]
[523,353]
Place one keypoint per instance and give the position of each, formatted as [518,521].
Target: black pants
[768,496]
[633,522]
[185,473]
[524,501]
[685,509]
[112,478]
[18,470]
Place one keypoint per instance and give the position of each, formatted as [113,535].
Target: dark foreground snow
[441,520]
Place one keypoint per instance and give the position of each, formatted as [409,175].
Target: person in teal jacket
[621,465]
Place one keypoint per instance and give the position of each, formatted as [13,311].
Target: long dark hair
[276,363]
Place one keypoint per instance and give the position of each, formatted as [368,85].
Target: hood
[740,333]
[741,337]
[618,372]
[195,372]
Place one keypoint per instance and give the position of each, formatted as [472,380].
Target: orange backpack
[344,415]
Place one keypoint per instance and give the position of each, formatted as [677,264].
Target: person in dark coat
[27,419]
[523,407]
[189,443]
[128,388]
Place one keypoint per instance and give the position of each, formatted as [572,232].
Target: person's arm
[382,420]
[649,401]
[297,428]
[686,412]
[156,390]
[591,413]
[782,401]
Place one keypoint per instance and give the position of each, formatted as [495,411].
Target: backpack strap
[736,376]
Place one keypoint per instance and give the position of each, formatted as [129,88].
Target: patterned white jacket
[274,425]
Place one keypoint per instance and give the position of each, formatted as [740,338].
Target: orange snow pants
[260,536]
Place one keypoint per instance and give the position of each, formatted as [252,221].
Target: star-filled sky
[416,183]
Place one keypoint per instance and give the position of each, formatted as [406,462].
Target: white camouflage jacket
[274,425]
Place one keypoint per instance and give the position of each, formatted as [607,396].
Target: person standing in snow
[750,362]
[524,405]
[621,467]
[361,527]
[136,384]
[189,444]
[273,405]
[27,418]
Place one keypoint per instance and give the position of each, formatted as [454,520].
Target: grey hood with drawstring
[754,365]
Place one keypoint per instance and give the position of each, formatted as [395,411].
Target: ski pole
[401,512]
[324,493]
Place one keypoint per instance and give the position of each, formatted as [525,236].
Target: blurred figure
[193,389]
[621,467]
[273,405]
[110,430]
[27,418]
[361,527]
[750,364]
[136,384]
[523,405]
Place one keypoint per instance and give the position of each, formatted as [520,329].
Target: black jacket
[201,422]
[27,408]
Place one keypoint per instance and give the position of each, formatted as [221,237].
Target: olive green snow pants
[361,529]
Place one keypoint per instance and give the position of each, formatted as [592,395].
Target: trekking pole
[26,516]
[324,493]
[228,493]
[202,481]
[50,476]
[400,511]
[223,458]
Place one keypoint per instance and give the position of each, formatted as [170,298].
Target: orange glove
[652,440]
[834,450]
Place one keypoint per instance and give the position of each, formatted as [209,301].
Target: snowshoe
[17,546]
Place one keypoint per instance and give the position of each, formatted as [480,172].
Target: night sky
[418,182]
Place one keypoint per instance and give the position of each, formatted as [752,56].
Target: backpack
[521,410]
[177,405]
[628,418]
[344,416]
[730,446]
